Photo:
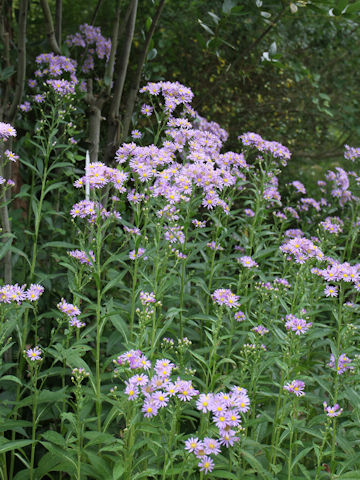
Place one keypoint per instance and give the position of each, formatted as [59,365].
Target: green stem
[34,424]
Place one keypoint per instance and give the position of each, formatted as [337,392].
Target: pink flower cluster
[72,312]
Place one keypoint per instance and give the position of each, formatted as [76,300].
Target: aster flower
[131,390]
[296,386]
[334,411]
[203,402]
[6,131]
[136,134]
[249,212]
[331,291]
[146,110]
[247,262]
[297,325]
[34,354]
[149,408]
[192,444]
[206,464]
[11,156]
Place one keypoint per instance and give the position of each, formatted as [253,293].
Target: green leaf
[205,27]
[14,445]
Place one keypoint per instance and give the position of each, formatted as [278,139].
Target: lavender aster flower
[34,354]
[296,386]
[334,411]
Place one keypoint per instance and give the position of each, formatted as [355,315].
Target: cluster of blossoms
[58,73]
[249,213]
[334,411]
[296,386]
[261,330]
[174,234]
[340,185]
[98,175]
[79,374]
[214,246]
[82,256]
[226,409]
[239,316]
[156,388]
[205,168]
[351,153]
[134,254]
[91,210]
[224,296]
[198,223]
[6,131]
[275,149]
[247,262]
[305,204]
[332,224]
[72,312]
[90,38]
[342,365]
[15,293]
[173,92]
[336,271]
[299,186]
[34,354]
[301,249]
[297,325]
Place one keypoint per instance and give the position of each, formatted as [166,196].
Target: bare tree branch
[113,116]
[50,27]
[109,72]
[135,84]
[94,15]
[58,22]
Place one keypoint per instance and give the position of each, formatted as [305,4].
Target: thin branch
[109,72]
[21,69]
[135,84]
[124,61]
[94,15]
[50,27]
[58,22]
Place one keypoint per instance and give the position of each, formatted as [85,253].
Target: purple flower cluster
[90,37]
[98,175]
[224,296]
[260,329]
[296,386]
[247,262]
[83,257]
[88,209]
[342,365]
[301,249]
[72,312]
[6,131]
[351,153]
[174,234]
[340,185]
[146,298]
[275,149]
[156,388]
[336,271]
[299,186]
[15,293]
[297,325]
[239,316]
[226,409]
[332,224]
[133,254]
[173,92]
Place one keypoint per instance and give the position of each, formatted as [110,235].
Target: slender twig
[135,84]
[50,27]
